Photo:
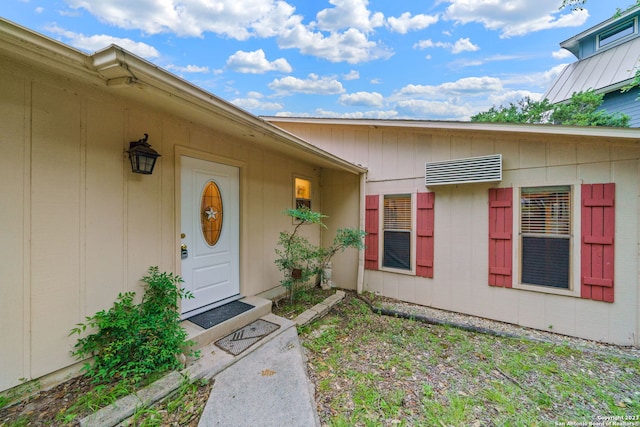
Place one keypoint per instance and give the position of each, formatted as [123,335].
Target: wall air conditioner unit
[464,171]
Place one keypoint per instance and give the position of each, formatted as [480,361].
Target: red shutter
[424,234]
[500,236]
[598,229]
[371,226]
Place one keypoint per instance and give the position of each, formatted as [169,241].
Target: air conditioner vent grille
[462,171]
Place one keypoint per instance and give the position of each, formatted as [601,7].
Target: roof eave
[540,129]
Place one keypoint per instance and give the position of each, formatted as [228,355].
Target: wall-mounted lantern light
[142,156]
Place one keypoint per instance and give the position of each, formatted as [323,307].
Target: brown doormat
[238,341]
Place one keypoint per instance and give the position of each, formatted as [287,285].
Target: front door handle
[183,251]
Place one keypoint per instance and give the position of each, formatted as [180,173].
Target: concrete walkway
[268,387]
[264,386]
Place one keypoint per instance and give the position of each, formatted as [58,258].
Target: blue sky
[406,59]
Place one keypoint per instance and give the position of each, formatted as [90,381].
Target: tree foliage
[580,110]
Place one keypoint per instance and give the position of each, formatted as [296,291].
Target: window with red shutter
[397,229]
[424,234]
[371,227]
[500,236]
[545,236]
[597,248]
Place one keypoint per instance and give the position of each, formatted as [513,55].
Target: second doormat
[238,341]
[218,315]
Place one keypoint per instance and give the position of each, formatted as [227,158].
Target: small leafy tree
[345,238]
[133,341]
[299,259]
[580,110]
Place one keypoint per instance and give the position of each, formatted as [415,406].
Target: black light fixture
[142,156]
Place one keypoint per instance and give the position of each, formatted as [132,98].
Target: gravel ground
[504,328]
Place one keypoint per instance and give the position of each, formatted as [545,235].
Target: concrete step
[203,337]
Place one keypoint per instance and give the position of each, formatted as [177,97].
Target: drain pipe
[361,213]
[432,321]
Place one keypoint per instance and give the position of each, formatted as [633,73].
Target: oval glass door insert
[211,213]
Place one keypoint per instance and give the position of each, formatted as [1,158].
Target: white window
[545,236]
[623,30]
[397,222]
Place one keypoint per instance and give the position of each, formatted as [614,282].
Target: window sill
[548,290]
[398,271]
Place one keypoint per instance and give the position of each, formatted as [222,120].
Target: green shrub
[133,341]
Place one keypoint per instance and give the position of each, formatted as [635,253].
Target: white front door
[210,233]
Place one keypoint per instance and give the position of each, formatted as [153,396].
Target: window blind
[546,211]
[397,212]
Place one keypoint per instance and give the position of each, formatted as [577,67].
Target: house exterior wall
[78,227]
[626,103]
[396,157]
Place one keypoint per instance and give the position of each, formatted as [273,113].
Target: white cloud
[374,114]
[368,99]
[468,86]
[342,36]
[514,18]
[101,41]
[351,75]
[405,22]
[480,61]
[187,68]
[232,18]
[561,54]
[464,45]
[314,84]
[256,63]
[461,45]
[537,79]
[351,46]
[513,96]
[434,109]
[349,14]
[254,103]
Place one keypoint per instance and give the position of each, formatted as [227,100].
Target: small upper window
[302,193]
[621,31]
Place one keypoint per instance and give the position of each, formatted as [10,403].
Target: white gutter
[540,129]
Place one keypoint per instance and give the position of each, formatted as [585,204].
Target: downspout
[360,282]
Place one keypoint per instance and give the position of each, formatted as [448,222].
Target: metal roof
[604,72]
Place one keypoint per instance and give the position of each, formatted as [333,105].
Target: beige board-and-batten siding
[78,227]
[395,154]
